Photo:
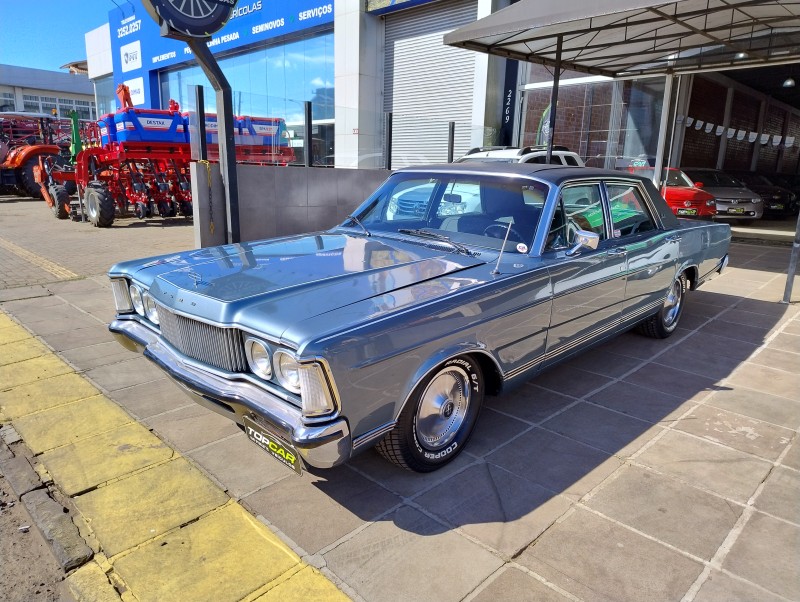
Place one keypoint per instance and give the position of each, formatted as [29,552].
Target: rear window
[570,160]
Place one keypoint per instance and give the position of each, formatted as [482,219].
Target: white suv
[529,154]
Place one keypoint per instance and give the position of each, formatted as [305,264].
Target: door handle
[617,251]
[674,238]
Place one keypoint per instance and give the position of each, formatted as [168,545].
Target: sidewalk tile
[725,471]
[641,402]
[192,426]
[89,462]
[377,561]
[739,432]
[44,394]
[768,380]
[597,560]
[721,587]
[128,512]
[775,358]
[516,585]
[529,402]
[687,518]
[767,553]
[781,494]
[94,356]
[151,398]
[13,333]
[69,423]
[758,405]
[332,505]
[681,384]
[125,374]
[80,337]
[499,509]
[224,556]
[90,584]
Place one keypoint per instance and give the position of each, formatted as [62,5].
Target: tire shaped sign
[194,18]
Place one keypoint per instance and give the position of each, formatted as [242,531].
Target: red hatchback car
[683,197]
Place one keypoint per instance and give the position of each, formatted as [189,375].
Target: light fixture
[788,82]
[741,55]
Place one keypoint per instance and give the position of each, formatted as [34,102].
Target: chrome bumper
[320,445]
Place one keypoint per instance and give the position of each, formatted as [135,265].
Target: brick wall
[708,105]
[744,116]
[768,154]
[791,156]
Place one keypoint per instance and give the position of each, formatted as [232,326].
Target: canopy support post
[554,98]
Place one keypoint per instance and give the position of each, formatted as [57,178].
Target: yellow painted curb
[135,509]
[20,351]
[308,585]
[5,321]
[12,333]
[70,422]
[224,556]
[90,462]
[41,395]
[29,371]
[90,584]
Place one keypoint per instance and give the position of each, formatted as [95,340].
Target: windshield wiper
[358,221]
[460,248]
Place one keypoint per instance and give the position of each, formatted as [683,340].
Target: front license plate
[735,209]
[776,206]
[687,211]
[273,445]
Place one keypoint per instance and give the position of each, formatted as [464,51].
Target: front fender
[20,155]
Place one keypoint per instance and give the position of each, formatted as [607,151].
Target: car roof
[548,172]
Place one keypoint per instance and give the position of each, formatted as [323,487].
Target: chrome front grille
[222,348]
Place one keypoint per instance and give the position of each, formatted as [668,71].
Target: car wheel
[664,323]
[438,419]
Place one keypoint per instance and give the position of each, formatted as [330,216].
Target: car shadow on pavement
[703,413]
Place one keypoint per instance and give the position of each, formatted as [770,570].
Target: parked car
[778,201]
[683,197]
[561,155]
[389,329]
[734,199]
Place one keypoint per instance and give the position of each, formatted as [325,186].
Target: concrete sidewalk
[643,470]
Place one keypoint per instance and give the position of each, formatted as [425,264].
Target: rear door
[651,252]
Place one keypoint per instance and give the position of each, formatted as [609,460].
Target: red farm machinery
[140,163]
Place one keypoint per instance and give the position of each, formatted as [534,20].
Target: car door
[651,251]
[589,286]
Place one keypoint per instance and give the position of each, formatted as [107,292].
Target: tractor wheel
[71,187]
[140,210]
[26,179]
[100,206]
[61,202]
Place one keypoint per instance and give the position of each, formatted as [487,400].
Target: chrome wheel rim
[443,408]
[672,306]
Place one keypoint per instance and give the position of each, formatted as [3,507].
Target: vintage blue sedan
[449,283]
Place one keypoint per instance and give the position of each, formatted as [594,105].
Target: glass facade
[612,124]
[271,81]
[105,95]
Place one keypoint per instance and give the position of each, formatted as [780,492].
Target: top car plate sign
[197,19]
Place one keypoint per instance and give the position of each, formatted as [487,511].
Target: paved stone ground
[643,470]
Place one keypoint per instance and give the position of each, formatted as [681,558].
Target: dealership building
[355,61]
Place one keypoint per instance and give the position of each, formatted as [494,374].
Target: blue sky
[45,34]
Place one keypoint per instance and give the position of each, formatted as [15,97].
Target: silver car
[734,199]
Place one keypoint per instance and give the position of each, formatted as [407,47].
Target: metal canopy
[619,38]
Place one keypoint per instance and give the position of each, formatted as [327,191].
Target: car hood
[724,192]
[270,285]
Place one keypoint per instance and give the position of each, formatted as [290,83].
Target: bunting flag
[764,138]
[720,129]
[752,137]
[698,124]
[679,119]
[709,127]
[731,133]
[789,142]
[689,121]
[776,140]
[740,135]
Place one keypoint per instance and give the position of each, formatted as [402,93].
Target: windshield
[714,178]
[488,159]
[465,209]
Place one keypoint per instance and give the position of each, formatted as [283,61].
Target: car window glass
[410,199]
[535,194]
[571,160]
[540,159]
[629,213]
[579,208]
[461,197]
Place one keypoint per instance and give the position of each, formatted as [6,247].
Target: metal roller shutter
[428,84]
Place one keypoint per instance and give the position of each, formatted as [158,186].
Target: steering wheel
[499,231]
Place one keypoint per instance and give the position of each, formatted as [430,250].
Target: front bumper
[321,445]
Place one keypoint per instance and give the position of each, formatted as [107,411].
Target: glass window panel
[629,212]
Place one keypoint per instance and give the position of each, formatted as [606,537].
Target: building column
[762,116]
[726,122]
[358,84]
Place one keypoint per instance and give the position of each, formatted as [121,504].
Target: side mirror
[584,240]
[698,184]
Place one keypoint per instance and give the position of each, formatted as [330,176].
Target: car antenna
[496,269]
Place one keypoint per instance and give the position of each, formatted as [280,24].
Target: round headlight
[258,358]
[287,370]
[756,201]
[150,309]
[136,299]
